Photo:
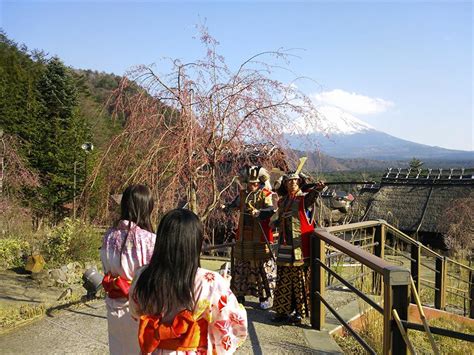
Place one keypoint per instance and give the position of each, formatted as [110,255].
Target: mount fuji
[342,135]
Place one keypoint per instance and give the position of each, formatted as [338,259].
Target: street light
[87,147]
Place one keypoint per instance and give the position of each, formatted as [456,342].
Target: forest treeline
[47,112]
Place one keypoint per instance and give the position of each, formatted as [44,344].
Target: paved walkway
[83,330]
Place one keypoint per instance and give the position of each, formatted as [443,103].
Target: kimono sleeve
[228,325]
[145,243]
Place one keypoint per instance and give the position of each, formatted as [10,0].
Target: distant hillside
[321,162]
[376,145]
[95,90]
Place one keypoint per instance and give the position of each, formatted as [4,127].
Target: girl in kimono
[126,247]
[182,308]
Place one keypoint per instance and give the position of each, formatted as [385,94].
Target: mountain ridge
[342,135]
[375,145]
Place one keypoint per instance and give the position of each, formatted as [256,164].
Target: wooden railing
[367,245]
[372,239]
[450,281]
[220,247]
[395,285]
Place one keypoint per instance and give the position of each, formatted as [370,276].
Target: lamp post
[87,147]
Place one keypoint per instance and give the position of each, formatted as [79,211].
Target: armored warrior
[291,302]
[255,270]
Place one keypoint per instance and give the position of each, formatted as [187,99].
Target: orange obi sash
[116,287]
[183,334]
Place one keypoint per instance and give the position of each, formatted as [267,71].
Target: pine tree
[61,131]
[19,103]
[415,163]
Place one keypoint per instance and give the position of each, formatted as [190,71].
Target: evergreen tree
[19,105]
[61,131]
[415,163]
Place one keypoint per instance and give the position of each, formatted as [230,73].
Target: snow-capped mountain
[342,135]
[333,120]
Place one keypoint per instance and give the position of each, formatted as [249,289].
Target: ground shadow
[68,307]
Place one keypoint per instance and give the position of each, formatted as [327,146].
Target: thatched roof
[416,207]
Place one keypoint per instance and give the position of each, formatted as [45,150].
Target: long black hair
[136,206]
[167,284]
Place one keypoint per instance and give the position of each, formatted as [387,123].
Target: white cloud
[352,102]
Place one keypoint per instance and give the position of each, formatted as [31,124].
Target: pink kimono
[137,252]
[216,308]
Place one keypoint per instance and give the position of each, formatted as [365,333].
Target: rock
[58,275]
[42,278]
[74,266]
[35,263]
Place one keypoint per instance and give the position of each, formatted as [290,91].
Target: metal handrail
[381,267]
[399,253]
[352,287]
[339,253]
[440,331]
[395,280]
[364,257]
[334,286]
[346,325]
[428,267]
[459,264]
[353,226]
[441,262]
[218,246]
[406,238]
[458,278]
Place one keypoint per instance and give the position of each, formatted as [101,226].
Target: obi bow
[182,334]
[116,287]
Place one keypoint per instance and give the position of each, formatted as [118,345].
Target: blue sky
[404,67]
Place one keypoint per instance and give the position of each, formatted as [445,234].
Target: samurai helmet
[295,174]
[290,175]
[255,174]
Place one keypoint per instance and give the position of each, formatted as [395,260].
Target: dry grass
[446,345]
[11,317]
[371,331]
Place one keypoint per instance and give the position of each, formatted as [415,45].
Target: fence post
[317,281]
[396,296]
[379,250]
[440,283]
[415,250]
[471,294]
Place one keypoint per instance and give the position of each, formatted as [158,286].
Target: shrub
[13,316]
[12,252]
[72,240]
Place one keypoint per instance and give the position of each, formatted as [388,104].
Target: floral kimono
[119,269]
[216,325]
